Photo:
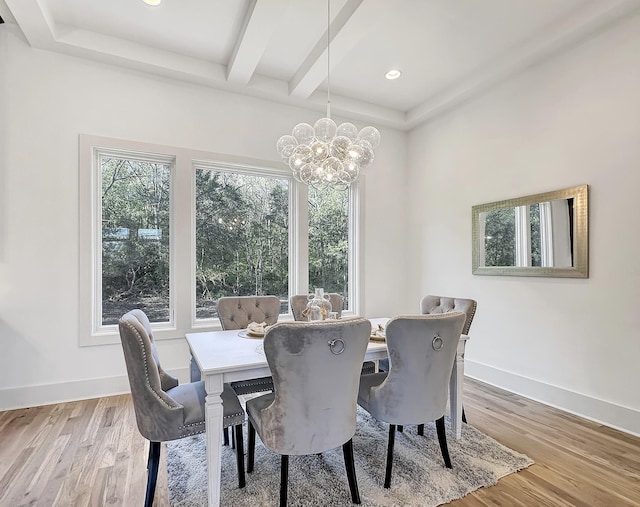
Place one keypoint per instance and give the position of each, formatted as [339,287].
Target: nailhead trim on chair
[231,417]
[470,316]
[248,382]
[146,369]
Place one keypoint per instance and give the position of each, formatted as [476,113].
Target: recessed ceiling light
[152,2]
[393,74]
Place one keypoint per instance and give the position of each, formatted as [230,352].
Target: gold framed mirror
[537,235]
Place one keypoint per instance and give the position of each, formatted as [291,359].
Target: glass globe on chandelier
[328,154]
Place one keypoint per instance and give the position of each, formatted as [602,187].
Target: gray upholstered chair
[439,304]
[165,410]
[298,304]
[237,312]
[414,390]
[316,372]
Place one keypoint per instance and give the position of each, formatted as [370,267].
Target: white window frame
[182,232]
[546,235]
[523,236]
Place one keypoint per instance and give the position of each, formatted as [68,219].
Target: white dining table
[227,356]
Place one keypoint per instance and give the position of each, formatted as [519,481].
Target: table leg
[213,422]
[455,390]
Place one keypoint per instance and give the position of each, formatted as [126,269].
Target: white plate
[245,333]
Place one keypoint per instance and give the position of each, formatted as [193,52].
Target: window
[135,237]
[171,230]
[329,240]
[242,237]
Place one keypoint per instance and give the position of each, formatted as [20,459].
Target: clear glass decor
[319,306]
[328,155]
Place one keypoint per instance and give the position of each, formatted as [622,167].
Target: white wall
[47,100]
[574,119]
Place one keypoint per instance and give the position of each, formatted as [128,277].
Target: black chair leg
[350,466]
[464,416]
[233,440]
[225,436]
[252,447]
[152,466]
[421,430]
[400,428]
[149,458]
[442,438]
[240,455]
[284,479]
[392,437]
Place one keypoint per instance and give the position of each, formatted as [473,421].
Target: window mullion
[523,236]
[299,239]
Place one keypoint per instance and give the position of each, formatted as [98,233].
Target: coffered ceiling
[447,50]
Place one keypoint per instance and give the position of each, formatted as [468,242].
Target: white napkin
[257,328]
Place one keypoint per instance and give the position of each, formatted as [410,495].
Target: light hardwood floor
[90,453]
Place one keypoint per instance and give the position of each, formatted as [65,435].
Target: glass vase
[319,306]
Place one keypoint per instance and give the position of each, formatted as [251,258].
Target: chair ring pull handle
[437,343]
[336,346]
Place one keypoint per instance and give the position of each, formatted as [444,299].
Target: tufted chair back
[237,312]
[439,304]
[299,303]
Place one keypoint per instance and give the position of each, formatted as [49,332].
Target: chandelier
[327,154]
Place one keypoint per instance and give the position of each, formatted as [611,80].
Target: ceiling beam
[356,18]
[258,26]
[34,20]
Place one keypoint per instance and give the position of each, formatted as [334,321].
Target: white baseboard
[47,394]
[600,411]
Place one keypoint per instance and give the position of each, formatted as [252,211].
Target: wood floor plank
[90,453]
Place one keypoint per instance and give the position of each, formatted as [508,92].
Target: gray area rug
[419,475]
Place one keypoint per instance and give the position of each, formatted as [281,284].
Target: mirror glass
[536,235]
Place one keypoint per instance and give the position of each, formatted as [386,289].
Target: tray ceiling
[447,50]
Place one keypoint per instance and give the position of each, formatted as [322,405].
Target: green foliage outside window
[536,244]
[135,238]
[242,238]
[500,238]
[329,240]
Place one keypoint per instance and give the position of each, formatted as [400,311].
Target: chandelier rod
[328,58]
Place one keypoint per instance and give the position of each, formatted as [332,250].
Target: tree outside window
[242,238]
[329,240]
[500,238]
[135,238]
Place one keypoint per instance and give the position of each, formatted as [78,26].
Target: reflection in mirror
[538,235]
